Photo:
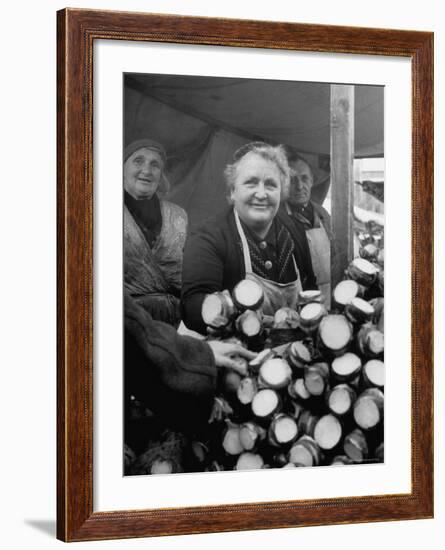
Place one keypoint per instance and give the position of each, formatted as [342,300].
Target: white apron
[320,249]
[276,295]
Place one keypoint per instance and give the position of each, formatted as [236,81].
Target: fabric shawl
[153,275]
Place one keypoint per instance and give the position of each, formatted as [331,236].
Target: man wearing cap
[314,218]
[154,233]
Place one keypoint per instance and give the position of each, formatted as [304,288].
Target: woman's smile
[259,206]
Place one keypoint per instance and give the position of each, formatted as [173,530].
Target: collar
[270,238]
[305,210]
[307,214]
[147,211]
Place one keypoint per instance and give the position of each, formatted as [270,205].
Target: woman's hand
[226,354]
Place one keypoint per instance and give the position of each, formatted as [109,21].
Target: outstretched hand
[226,354]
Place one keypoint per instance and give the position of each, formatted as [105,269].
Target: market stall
[315,393]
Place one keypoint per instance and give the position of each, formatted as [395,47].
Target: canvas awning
[202,120]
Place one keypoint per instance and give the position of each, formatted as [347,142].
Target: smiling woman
[154,232]
[257,181]
[252,239]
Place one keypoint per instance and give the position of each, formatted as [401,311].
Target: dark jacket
[174,376]
[213,261]
[324,216]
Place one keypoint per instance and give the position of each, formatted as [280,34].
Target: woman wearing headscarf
[250,239]
[154,233]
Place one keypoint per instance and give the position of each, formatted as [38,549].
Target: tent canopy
[201,121]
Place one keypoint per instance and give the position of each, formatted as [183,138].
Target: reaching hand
[226,354]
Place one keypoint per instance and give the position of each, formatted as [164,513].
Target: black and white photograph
[214,205]
[253,242]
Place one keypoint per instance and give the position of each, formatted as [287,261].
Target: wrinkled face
[300,183]
[257,190]
[142,173]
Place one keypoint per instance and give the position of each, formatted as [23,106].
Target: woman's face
[142,173]
[257,191]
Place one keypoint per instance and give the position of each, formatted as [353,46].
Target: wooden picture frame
[77,31]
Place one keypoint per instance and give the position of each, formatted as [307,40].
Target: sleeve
[202,274]
[175,376]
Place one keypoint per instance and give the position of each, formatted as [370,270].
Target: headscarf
[145,143]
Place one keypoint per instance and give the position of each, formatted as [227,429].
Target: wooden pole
[342,176]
